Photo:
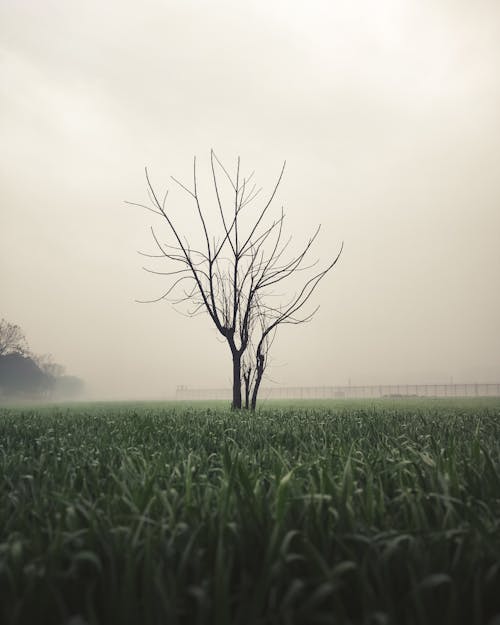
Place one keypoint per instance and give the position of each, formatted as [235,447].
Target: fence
[350,392]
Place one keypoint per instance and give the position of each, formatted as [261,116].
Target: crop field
[373,513]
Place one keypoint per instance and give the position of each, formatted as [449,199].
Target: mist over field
[387,116]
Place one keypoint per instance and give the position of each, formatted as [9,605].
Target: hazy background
[387,114]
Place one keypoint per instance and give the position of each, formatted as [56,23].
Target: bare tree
[233,277]
[46,363]
[12,339]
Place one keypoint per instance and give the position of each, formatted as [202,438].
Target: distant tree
[48,365]
[233,276]
[12,339]
[23,373]
[20,376]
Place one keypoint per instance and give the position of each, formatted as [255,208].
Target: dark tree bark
[247,377]
[236,403]
[231,276]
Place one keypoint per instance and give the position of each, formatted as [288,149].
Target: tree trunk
[246,379]
[236,403]
[259,370]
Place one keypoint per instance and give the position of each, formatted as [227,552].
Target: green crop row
[382,513]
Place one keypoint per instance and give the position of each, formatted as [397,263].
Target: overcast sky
[387,113]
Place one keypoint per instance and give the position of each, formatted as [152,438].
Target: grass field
[369,513]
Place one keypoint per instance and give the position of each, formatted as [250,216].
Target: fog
[387,114]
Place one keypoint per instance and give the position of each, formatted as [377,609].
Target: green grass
[384,512]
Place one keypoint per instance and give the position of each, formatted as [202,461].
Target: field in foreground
[385,513]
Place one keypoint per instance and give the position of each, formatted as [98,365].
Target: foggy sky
[387,114]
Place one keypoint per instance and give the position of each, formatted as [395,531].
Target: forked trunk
[259,372]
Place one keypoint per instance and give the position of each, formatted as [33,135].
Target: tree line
[26,375]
